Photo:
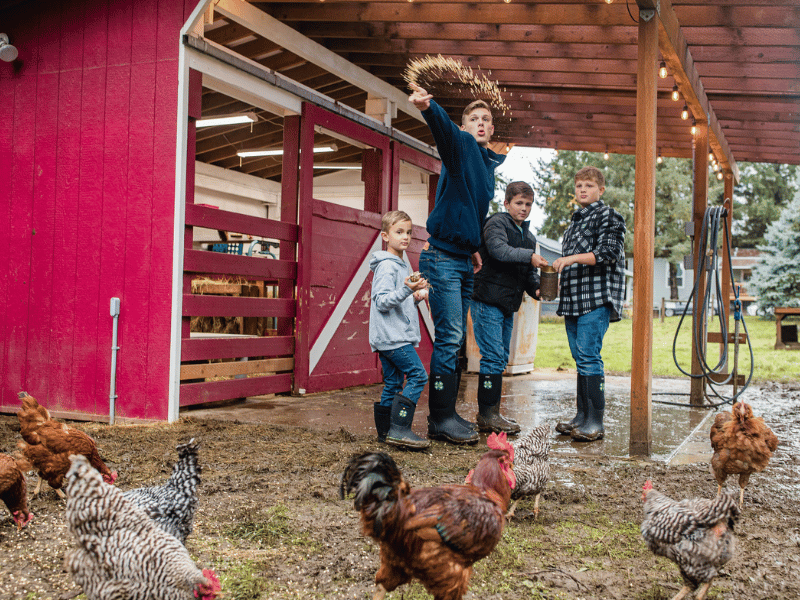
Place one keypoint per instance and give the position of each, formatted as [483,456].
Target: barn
[234,254]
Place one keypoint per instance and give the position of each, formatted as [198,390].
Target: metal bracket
[647,14]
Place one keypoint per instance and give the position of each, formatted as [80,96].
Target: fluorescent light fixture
[249,117]
[279,151]
[333,165]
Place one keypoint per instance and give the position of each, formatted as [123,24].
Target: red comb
[648,485]
[500,442]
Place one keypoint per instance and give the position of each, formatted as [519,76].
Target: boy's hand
[538,261]
[419,97]
[477,262]
[420,284]
[420,295]
[562,262]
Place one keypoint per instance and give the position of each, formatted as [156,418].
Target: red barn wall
[87,168]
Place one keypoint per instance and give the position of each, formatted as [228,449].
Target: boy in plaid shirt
[592,290]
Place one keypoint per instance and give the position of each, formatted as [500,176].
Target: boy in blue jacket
[450,258]
[509,270]
[394,332]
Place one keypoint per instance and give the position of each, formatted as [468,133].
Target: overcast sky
[518,166]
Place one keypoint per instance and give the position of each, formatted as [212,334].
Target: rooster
[14,491]
[697,535]
[172,505]
[743,445]
[531,466]
[431,534]
[121,553]
[47,444]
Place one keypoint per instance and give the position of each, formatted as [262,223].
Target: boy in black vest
[509,269]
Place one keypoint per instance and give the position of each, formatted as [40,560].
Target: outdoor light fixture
[279,151]
[662,70]
[609,1]
[659,160]
[685,112]
[605,155]
[237,119]
[719,175]
[675,94]
[694,126]
[8,53]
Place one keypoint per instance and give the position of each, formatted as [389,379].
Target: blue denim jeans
[451,279]
[492,331]
[585,337]
[399,364]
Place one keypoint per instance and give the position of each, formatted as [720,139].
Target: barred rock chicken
[531,466]
[46,445]
[14,491]
[743,445]
[173,504]
[697,535]
[431,534]
[122,554]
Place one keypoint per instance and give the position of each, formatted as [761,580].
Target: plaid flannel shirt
[600,229]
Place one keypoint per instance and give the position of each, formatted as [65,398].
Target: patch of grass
[552,350]
[244,581]
[271,528]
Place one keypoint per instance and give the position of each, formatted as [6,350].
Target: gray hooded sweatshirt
[393,320]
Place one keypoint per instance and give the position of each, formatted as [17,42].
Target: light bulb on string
[662,70]
[685,112]
[675,93]
[694,126]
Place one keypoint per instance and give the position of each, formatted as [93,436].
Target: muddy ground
[271,523]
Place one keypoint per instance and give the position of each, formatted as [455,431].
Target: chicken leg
[379,593]
[701,594]
[683,593]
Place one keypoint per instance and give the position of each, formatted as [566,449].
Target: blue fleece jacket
[393,320]
[466,185]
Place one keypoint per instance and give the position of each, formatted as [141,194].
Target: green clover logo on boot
[403,412]
[487,384]
[439,385]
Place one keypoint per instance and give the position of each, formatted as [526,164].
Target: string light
[662,70]
[609,1]
[719,175]
[675,94]
[711,156]
[605,155]
[694,126]
[659,160]
[685,112]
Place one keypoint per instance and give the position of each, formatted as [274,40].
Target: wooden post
[663,307]
[700,161]
[727,284]
[289,188]
[641,435]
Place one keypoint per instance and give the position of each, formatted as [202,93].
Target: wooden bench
[786,335]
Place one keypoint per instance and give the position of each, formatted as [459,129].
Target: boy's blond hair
[516,188]
[592,174]
[393,217]
[473,106]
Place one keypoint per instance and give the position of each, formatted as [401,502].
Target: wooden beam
[641,431]
[680,63]
[273,30]
[700,192]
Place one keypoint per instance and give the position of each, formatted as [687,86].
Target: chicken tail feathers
[376,481]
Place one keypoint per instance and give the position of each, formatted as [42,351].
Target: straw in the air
[438,75]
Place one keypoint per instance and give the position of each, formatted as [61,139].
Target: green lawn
[552,350]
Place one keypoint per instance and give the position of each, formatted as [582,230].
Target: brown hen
[431,534]
[743,445]
[13,491]
[47,444]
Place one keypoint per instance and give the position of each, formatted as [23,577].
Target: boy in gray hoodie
[394,332]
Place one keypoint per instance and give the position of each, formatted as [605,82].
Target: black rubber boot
[382,419]
[489,418]
[580,401]
[459,418]
[592,428]
[400,434]
[442,422]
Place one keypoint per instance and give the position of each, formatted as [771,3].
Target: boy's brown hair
[592,174]
[516,188]
[472,106]
[392,217]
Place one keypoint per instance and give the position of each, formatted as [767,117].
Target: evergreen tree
[776,279]
[763,191]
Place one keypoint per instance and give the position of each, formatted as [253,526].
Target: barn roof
[568,69]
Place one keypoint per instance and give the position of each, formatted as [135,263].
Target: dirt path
[271,523]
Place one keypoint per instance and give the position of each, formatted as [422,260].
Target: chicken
[531,466]
[431,534]
[121,553]
[14,491]
[743,445]
[173,504]
[46,445]
[697,535]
